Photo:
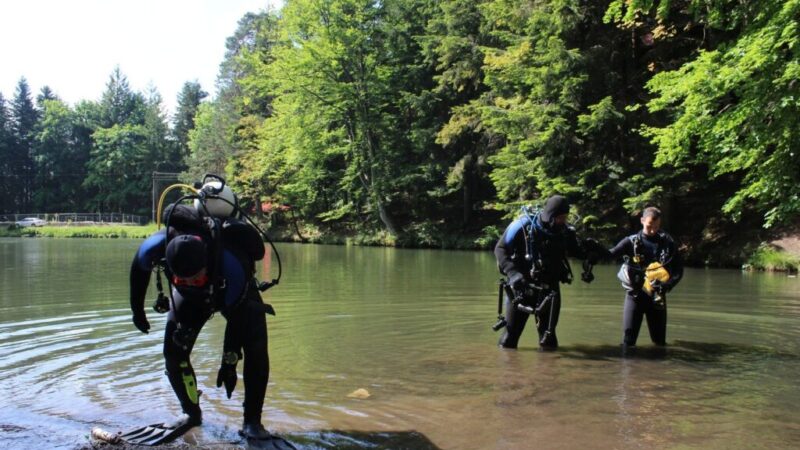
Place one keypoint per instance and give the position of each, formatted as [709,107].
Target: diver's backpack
[238,234]
[182,219]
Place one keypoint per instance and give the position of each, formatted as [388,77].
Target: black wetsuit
[539,254]
[236,297]
[638,303]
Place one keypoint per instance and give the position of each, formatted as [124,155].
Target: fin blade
[137,432]
[155,434]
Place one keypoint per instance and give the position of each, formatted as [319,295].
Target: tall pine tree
[122,157]
[24,117]
[7,182]
[189,99]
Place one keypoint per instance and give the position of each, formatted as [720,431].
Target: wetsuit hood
[555,206]
[186,255]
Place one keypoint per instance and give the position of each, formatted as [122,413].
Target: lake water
[412,327]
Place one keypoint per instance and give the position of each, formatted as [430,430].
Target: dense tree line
[430,122]
[427,121]
[95,156]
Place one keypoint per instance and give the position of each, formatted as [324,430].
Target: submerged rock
[359,393]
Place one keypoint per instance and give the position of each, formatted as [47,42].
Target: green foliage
[736,110]
[535,80]
[119,104]
[45,94]
[74,231]
[489,237]
[629,12]
[114,169]
[6,166]
[769,258]
[59,159]
[209,141]
[165,153]
[226,137]
[422,122]
[127,137]
[189,99]
[453,44]
[602,115]
[642,198]
[23,122]
[719,14]
[341,80]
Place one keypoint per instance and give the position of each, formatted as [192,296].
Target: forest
[425,123]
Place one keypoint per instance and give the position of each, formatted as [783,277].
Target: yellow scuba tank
[654,272]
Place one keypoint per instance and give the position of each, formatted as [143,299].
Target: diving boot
[187,420]
[259,438]
[506,341]
[628,349]
[255,431]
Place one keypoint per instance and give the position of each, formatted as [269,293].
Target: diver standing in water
[652,268]
[532,254]
[208,256]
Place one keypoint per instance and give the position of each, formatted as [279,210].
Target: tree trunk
[369,182]
[297,228]
[467,191]
[387,220]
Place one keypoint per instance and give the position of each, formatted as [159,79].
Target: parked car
[31,222]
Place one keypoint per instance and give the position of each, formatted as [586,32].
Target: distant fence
[65,218]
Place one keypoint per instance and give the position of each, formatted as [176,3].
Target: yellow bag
[655,271]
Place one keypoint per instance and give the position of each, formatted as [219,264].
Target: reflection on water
[413,328]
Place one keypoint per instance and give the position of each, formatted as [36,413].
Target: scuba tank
[215,214]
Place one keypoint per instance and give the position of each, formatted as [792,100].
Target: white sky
[73,45]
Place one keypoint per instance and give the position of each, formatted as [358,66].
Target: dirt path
[789,244]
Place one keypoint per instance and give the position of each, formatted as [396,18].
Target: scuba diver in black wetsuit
[532,253]
[208,256]
[652,268]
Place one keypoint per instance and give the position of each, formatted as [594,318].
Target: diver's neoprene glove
[227,373]
[140,321]
[594,251]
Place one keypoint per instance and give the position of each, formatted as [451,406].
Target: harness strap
[215,271]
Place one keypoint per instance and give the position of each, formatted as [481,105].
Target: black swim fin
[160,433]
[272,443]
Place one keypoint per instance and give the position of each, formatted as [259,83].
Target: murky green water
[413,328]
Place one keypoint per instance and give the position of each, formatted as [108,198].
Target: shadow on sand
[353,440]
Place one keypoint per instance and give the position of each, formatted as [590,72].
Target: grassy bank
[75,231]
[766,257]
[772,259]
[413,237]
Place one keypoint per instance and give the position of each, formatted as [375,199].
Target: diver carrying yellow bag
[654,272]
